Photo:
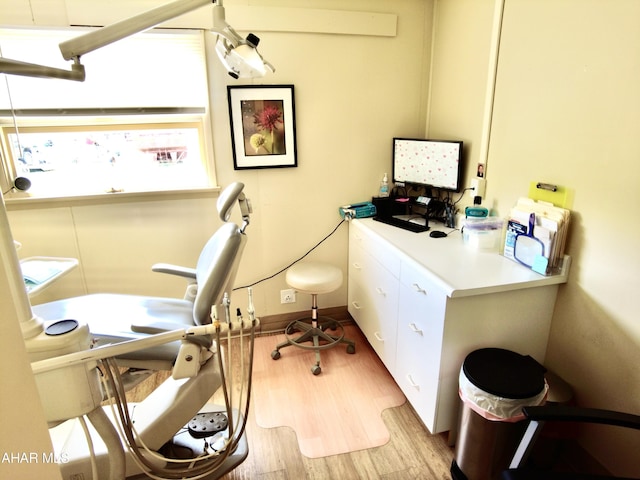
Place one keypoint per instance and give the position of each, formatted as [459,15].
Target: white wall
[566,111]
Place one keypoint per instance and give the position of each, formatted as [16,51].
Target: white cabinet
[425,303]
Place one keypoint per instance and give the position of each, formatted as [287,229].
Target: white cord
[15,121]
[236,425]
[121,424]
[117,420]
[133,449]
[92,453]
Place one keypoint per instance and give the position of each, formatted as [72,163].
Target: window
[138,122]
[112,158]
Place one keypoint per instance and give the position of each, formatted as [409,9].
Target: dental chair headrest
[227,198]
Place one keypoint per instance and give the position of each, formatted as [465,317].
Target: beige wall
[567,111]
[20,407]
[460,75]
[574,99]
[353,93]
[566,83]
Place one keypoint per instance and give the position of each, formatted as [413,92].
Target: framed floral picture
[263,126]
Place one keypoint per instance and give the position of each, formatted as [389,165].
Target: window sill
[22,201]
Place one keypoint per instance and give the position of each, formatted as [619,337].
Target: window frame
[10,170]
[106,114]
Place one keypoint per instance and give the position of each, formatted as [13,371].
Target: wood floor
[412,452]
[337,411]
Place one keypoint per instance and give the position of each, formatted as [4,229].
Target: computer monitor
[428,163]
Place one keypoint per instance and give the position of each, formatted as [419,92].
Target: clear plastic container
[483,233]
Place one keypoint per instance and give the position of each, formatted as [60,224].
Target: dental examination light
[238,55]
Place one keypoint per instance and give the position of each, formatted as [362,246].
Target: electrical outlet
[288,296]
[479,186]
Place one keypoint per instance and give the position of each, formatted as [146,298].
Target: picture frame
[263,126]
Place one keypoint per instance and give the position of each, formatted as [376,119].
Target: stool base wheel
[320,340]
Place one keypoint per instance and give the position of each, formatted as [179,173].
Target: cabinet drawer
[373,303]
[416,373]
[417,278]
[375,246]
[421,317]
[421,293]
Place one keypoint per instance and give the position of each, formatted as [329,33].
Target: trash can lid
[504,373]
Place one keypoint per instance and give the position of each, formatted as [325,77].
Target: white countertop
[458,268]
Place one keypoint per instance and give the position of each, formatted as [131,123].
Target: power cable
[295,261]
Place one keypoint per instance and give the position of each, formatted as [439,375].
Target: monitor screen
[430,163]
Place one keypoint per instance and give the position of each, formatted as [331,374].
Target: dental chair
[177,433]
[538,416]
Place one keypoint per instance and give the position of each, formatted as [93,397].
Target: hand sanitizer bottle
[384,186]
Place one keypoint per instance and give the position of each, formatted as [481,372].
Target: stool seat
[314,277]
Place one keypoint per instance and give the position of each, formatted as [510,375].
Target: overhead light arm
[239,56]
[15,67]
[76,47]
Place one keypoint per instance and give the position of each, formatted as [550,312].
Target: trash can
[494,385]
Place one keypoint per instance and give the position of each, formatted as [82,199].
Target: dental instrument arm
[145,427]
[107,351]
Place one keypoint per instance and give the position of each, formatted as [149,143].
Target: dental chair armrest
[177,270]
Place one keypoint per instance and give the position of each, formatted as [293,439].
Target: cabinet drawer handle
[357,266]
[419,289]
[412,383]
[356,305]
[381,291]
[378,336]
[414,328]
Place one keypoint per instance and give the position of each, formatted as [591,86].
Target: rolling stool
[314,279]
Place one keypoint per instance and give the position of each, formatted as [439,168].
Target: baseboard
[270,324]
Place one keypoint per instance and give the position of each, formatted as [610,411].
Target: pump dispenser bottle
[384,186]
